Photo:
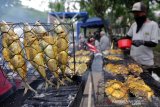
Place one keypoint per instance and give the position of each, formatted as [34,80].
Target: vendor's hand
[138,43]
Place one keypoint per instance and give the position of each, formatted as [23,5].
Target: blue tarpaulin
[94,22]
[83,15]
[86,22]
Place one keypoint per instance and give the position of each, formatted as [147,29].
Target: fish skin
[34,52]
[12,49]
[49,46]
[13,54]
[62,45]
[51,58]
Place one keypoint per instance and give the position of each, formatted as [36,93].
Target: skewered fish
[13,53]
[134,68]
[138,87]
[115,51]
[115,58]
[34,52]
[49,46]
[85,52]
[77,53]
[62,45]
[79,68]
[116,68]
[116,90]
[80,59]
[82,52]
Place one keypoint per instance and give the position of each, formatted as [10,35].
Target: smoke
[21,14]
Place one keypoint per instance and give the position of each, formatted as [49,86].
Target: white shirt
[105,43]
[148,32]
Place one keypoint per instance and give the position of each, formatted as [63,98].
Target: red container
[124,43]
[5,86]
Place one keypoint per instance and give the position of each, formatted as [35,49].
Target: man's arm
[150,44]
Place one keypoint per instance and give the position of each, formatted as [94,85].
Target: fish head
[39,28]
[27,27]
[4,26]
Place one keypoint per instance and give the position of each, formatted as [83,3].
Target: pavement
[95,75]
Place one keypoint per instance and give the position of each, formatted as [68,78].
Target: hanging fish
[34,52]
[62,45]
[13,53]
[48,44]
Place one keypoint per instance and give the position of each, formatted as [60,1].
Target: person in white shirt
[105,43]
[144,34]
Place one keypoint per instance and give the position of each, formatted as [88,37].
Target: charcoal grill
[102,99]
[66,96]
[69,95]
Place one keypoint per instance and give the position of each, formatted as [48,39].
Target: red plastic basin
[5,85]
[124,43]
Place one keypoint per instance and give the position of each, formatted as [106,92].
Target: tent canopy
[83,15]
[94,22]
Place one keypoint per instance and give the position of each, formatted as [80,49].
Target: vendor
[144,34]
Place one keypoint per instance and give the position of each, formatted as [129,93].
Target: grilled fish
[138,87]
[62,45]
[13,54]
[49,46]
[116,90]
[34,52]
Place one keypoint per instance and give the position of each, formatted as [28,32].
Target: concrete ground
[91,86]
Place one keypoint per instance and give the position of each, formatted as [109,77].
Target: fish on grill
[116,69]
[62,45]
[116,90]
[49,46]
[138,87]
[135,68]
[14,54]
[34,52]
[80,69]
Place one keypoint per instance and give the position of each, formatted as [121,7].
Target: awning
[83,15]
[94,22]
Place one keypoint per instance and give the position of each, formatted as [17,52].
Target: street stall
[126,83]
[38,61]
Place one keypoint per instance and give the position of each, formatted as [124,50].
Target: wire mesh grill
[68,95]
[18,28]
[104,100]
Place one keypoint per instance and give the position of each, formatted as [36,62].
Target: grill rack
[103,100]
[31,71]
[73,91]
[65,96]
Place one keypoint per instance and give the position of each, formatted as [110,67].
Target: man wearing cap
[144,34]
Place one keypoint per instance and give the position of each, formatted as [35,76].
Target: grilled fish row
[40,48]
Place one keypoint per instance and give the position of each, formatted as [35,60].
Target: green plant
[157,48]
